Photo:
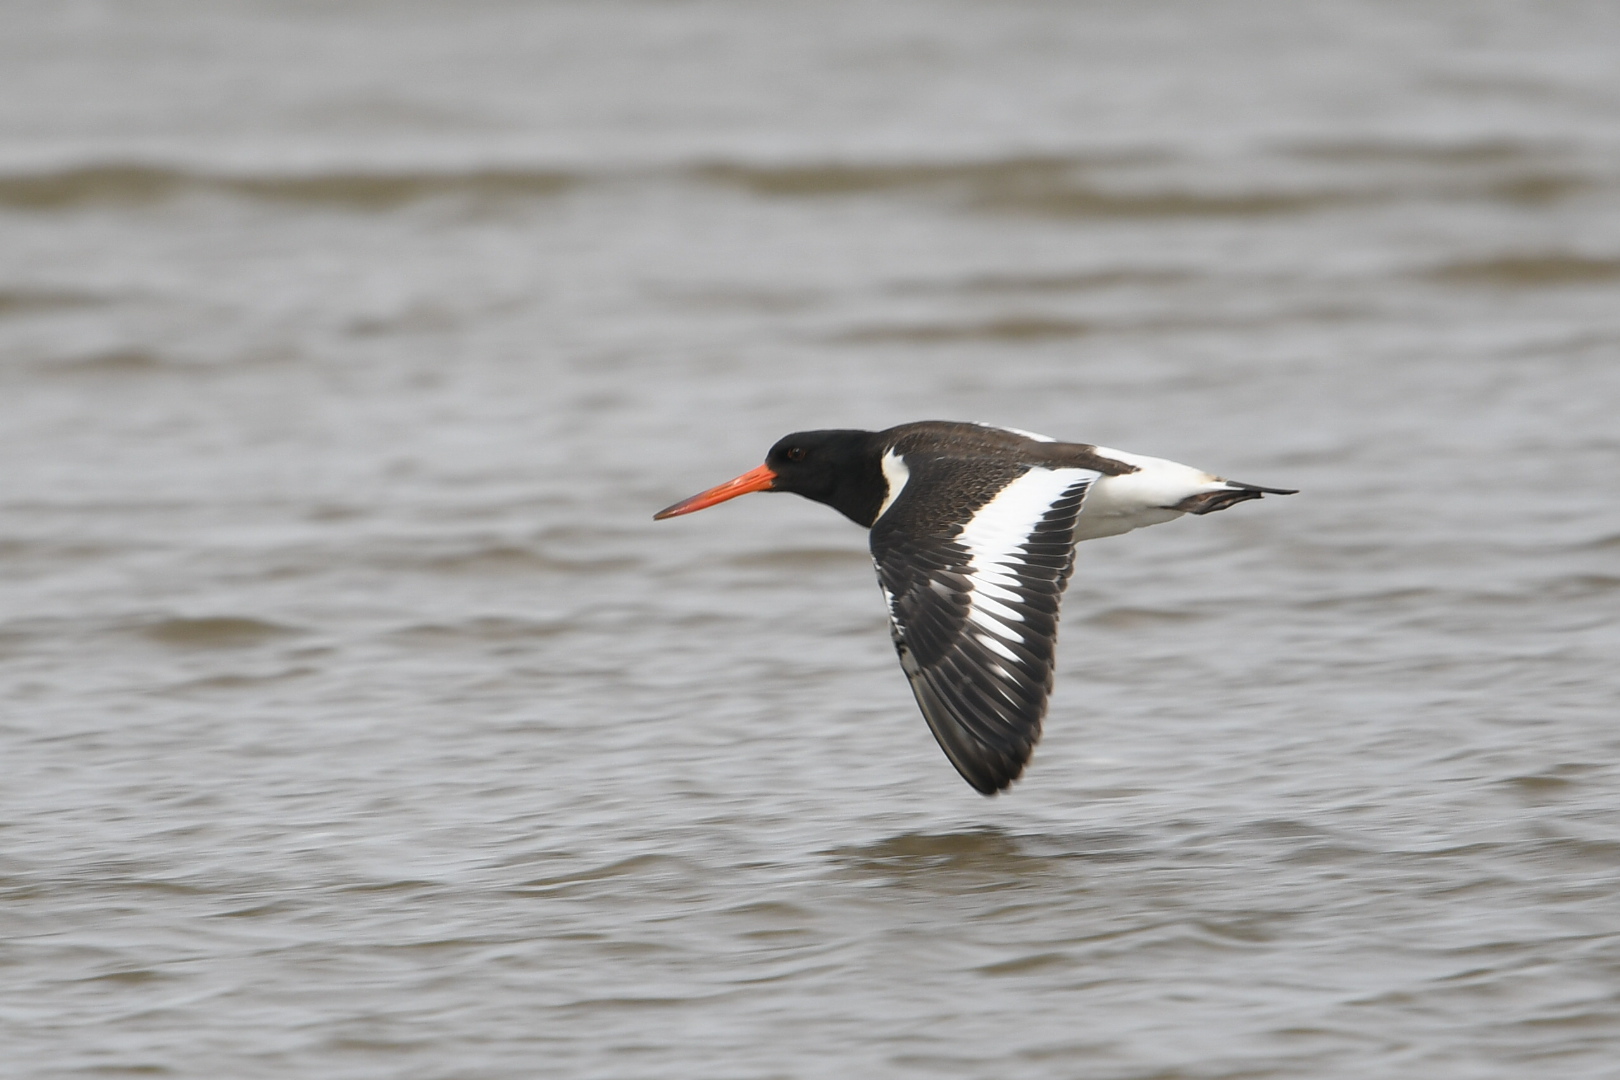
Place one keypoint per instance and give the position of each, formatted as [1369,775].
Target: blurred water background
[356,721]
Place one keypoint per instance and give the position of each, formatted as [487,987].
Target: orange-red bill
[759,479]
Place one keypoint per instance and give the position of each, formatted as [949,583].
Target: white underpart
[895,475]
[1017,431]
[1118,504]
[994,538]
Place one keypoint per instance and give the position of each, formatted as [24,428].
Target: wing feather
[973,606]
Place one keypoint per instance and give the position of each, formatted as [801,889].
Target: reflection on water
[356,719]
[997,858]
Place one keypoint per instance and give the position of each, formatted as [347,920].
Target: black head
[841,468]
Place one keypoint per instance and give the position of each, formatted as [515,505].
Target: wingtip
[988,770]
[988,784]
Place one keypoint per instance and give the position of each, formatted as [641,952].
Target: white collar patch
[895,474]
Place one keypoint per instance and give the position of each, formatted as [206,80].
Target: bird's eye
[795,453]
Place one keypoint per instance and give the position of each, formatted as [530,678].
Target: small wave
[242,682]
[129,977]
[740,298]
[1536,188]
[1375,151]
[1559,780]
[1046,186]
[1601,543]
[131,361]
[801,559]
[127,184]
[771,909]
[388,885]
[857,178]
[416,319]
[1005,328]
[1021,965]
[483,628]
[1069,187]
[1572,851]
[34,301]
[1579,586]
[511,559]
[212,631]
[1251,929]
[1529,270]
[1084,200]
[1130,618]
[1378,599]
[1503,170]
[1060,186]
[16,549]
[636,866]
[1076,281]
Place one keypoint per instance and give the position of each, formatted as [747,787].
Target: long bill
[759,479]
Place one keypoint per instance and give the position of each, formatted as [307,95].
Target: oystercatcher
[973,531]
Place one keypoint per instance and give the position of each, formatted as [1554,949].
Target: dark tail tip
[1210,501]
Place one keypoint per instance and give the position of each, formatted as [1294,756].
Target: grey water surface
[357,721]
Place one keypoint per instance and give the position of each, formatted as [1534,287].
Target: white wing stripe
[996,575]
[982,602]
[1006,521]
[999,649]
[993,626]
[994,538]
[985,585]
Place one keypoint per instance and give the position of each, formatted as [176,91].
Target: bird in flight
[973,531]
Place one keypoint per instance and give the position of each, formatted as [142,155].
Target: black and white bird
[973,531]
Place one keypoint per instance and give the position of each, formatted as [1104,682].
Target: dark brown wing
[973,595]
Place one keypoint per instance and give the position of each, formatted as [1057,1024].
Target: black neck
[840,468]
